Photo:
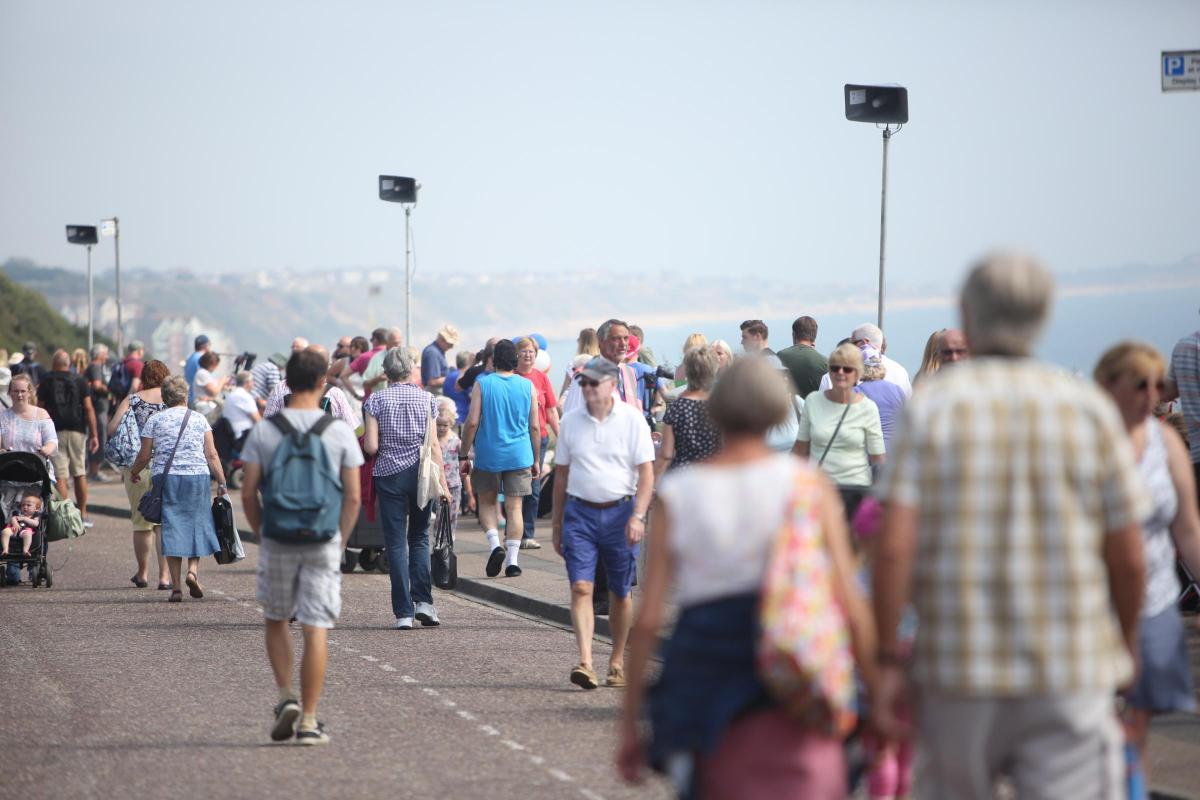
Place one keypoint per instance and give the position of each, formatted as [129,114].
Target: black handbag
[443,563]
[151,504]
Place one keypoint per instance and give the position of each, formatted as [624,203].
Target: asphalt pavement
[111,691]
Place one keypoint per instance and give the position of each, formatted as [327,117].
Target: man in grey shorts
[301,580]
[504,427]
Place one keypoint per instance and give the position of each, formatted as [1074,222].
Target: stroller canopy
[20,467]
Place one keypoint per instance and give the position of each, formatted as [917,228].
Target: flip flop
[176,597]
[138,583]
[193,584]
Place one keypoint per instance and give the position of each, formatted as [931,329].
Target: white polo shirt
[603,455]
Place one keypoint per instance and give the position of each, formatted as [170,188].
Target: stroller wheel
[366,558]
[381,562]
[348,561]
[47,574]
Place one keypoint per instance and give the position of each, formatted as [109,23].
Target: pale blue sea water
[1080,329]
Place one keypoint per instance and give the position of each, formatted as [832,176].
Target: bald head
[299,343]
[318,349]
[395,337]
[953,346]
[61,362]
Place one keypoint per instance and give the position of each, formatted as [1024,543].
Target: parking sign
[1181,70]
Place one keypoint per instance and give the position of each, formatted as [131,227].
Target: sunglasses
[841,368]
[954,351]
[588,383]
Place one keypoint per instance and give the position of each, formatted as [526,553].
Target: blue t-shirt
[645,387]
[433,363]
[502,443]
[189,374]
[462,400]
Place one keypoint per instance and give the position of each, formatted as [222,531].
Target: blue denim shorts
[598,534]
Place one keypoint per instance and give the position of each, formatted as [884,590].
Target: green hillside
[25,316]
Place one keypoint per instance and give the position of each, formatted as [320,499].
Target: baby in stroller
[23,523]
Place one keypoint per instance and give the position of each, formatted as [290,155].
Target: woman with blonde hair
[931,360]
[724,353]
[693,341]
[79,361]
[842,428]
[1133,373]
[688,433]
[587,347]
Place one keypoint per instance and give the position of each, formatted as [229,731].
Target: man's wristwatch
[640,518]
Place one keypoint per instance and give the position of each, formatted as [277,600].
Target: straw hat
[449,334]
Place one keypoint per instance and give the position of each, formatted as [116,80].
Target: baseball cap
[201,340]
[600,369]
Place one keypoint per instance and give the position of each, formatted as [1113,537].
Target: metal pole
[117,254]
[408,276]
[887,136]
[91,295]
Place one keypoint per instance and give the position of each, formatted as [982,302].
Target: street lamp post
[887,106]
[86,234]
[112,227]
[394,189]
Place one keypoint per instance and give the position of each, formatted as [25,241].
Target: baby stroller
[20,472]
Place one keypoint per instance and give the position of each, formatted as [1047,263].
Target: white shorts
[300,580]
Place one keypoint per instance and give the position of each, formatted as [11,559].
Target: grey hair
[174,391]
[1004,304]
[602,331]
[700,368]
[97,349]
[397,365]
[243,378]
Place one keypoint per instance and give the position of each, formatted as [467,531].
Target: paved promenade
[122,693]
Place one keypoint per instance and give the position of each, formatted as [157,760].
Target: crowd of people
[983,562]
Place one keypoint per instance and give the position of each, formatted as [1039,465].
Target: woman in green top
[841,428]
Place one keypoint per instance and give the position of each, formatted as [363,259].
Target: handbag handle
[835,433]
[171,458]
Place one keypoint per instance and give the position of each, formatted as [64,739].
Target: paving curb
[543,610]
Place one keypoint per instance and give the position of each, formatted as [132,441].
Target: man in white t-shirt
[301,580]
[603,481]
[895,371]
[240,407]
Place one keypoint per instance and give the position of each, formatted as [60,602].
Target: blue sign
[1173,65]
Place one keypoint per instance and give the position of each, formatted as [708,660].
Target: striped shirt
[1185,372]
[401,410]
[266,378]
[1017,472]
[339,406]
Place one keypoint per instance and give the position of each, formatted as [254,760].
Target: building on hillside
[172,339]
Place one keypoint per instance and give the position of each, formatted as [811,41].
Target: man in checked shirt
[1012,503]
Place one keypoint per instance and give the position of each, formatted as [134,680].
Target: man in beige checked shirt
[1012,505]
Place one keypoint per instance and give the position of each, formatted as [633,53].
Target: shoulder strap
[171,458]
[835,433]
[280,422]
[324,422]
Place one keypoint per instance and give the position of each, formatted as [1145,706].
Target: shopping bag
[63,520]
[227,535]
[443,563]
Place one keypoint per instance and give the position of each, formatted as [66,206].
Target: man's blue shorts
[591,534]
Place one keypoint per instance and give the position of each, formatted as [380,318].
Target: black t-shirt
[34,370]
[467,381]
[62,394]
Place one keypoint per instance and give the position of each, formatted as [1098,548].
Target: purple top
[401,410]
[890,399]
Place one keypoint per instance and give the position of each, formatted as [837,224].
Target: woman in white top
[715,729]
[206,389]
[841,429]
[26,427]
[1132,373]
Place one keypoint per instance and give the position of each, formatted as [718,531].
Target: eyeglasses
[588,383]
[841,368]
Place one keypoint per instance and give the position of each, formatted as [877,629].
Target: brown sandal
[194,587]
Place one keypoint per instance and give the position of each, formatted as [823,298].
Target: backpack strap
[280,422]
[319,427]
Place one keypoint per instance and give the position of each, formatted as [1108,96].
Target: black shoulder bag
[151,504]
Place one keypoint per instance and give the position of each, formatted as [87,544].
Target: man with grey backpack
[301,492]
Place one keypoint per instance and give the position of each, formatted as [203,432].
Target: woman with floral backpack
[757,686]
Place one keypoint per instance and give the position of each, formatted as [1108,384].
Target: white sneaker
[87,523]
[427,615]
[403,624]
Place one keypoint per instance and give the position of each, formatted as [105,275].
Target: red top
[359,364]
[544,392]
[134,365]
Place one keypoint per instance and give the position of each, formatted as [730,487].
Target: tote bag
[122,447]
[803,655]
[429,484]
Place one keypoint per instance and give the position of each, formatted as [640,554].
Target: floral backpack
[804,657]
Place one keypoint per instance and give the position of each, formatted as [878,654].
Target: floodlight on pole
[112,227]
[886,106]
[395,189]
[86,234]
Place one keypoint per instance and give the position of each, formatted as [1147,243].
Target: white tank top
[1162,584]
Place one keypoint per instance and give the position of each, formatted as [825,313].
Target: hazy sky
[570,135]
